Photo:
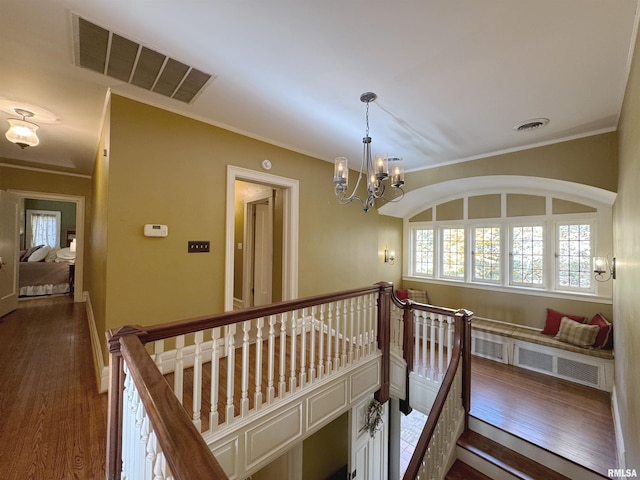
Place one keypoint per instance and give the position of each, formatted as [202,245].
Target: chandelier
[22,132]
[377,171]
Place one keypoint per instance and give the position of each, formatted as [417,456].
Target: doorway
[274,201]
[70,229]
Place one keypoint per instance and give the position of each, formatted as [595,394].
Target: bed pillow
[30,251]
[577,334]
[39,255]
[552,324]
[65,255]
[52,255]
[604,338]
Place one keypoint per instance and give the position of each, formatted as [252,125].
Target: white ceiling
[452,77]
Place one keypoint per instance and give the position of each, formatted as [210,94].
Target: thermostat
[154,230]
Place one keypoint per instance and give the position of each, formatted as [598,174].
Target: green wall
[165,168]
[326,451]
[626,233]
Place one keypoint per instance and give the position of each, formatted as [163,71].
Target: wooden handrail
[462,317]
[191,325]
[186,452]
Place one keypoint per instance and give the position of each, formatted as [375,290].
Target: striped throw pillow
[419,296]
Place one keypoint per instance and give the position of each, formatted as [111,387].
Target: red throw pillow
[552,324]
[402,294]
[605,335]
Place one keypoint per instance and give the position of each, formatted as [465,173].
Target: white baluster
[139,448]
[345,334]
[158,350]
[272,352]
[312,359]
[351,330]
[417,332]
[359,329]
[258,393]
[450,334]
[336,353]
[231,360]
[150,456]
[424,327]
[244,399]
[441,346]
[330,333]
[282,384]
[321,345]
[433,333]
[178,377]
[292,375]
[303,350]
[215,378]
[197,380]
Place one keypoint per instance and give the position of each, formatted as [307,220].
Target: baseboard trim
[101,370]
[617,428]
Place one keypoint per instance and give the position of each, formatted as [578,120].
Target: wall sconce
[389,256]
[602,265]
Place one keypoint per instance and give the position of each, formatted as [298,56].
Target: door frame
[78,295]
[291,194]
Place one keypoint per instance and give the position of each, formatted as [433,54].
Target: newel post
[407,351]
[467,315]
[115,396]
[384,338]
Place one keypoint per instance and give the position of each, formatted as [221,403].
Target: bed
[45,274]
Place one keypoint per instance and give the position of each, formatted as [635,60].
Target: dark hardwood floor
[52,420]
[571,420]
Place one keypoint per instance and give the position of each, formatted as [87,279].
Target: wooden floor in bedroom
[52,418]
[571,420]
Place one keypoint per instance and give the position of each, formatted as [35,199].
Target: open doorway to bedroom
[51,228]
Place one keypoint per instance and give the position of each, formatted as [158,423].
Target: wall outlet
[195,246]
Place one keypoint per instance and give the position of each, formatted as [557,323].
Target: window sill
[537,292]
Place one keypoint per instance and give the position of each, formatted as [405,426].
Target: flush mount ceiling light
[22,132]
[532,124]
[377,172]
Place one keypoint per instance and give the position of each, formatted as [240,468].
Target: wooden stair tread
[461,471]
[505,458]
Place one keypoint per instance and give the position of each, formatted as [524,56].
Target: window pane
[486,249]
[527,255]
[453,252]
[423,262]
[574,256]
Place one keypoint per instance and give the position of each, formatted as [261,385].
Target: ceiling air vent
[531,124]
[105,52]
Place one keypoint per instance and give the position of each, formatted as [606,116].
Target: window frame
[414,230]
[439,259]
[573,220]
[545,254]
[473,255]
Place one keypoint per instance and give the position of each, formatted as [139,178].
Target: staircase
[485,451]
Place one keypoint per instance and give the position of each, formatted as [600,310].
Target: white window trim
[492,223]
[582,219]
[412,260]
[602,245]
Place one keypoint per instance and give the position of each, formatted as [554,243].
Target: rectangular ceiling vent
[102,51]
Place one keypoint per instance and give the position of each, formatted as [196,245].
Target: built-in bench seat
[528,348]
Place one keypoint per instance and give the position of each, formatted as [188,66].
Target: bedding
[47,276]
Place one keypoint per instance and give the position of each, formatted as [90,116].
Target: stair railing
[436,344]
[155,430]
